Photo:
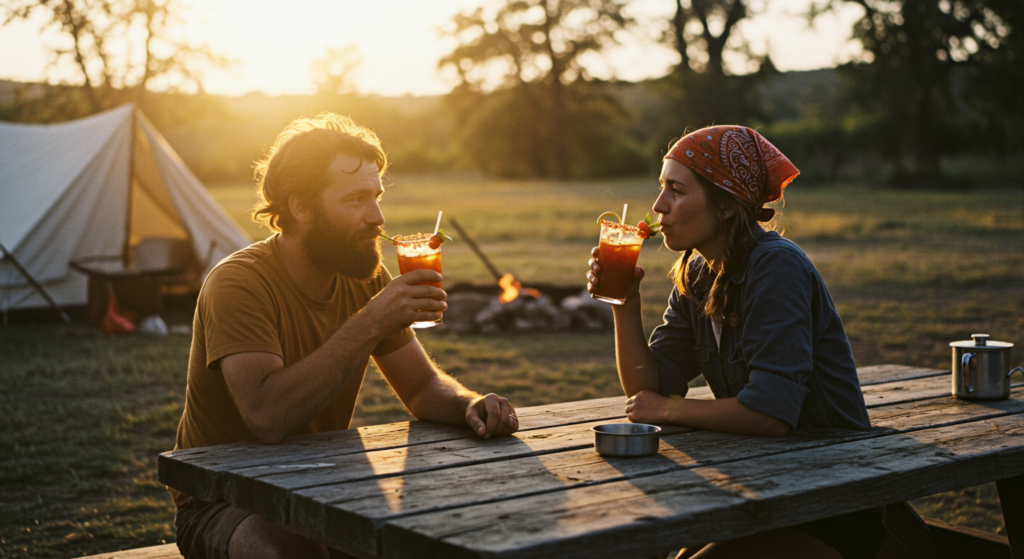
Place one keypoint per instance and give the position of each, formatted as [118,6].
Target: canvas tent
[107,190]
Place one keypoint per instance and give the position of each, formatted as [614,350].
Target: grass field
[83,416]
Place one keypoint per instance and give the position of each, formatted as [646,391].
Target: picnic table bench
[421,490]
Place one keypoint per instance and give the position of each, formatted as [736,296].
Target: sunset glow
[400,43]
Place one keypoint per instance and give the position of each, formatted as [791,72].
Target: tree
[693,26]
[701,90]
[915,52]
[121,48]
[333,71]
[525,56]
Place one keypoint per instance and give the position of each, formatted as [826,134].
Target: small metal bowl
[626,439]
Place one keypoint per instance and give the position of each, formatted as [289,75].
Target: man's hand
[492,415]
[404,301]
[649,407]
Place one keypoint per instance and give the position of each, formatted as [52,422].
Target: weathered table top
[417,489]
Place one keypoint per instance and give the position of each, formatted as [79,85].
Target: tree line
[934,80]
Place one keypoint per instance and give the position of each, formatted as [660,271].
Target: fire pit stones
[476,309]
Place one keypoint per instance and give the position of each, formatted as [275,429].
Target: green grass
[82,417]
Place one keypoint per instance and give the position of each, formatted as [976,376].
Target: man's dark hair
[296,165]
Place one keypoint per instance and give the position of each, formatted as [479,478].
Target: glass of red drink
[415,253]
[619,249]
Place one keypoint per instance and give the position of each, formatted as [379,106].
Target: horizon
[392,68]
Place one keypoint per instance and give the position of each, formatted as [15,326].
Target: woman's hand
[650,407]
[594,275]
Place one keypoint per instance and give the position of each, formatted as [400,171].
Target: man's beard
[343,251]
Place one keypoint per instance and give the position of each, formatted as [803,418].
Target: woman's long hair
[737,229]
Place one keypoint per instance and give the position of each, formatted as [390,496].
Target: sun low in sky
[400,42]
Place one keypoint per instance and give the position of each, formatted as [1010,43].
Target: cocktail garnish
[648,227]
[438,238]
[601,217]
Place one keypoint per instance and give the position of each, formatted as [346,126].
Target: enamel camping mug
[980,368]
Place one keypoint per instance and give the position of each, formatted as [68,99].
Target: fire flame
[511,289]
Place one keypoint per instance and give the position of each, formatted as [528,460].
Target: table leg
[1011,500]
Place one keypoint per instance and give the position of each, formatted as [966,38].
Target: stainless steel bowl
[626,439]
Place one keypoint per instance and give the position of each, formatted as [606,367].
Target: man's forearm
[442,399]
[294,395]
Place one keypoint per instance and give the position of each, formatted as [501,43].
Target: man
[284,328]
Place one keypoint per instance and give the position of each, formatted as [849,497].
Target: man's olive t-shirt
[249,302]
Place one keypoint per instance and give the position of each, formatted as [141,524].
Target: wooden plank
[959,541]
[168,551]
[905,391]
[247,474]
[349,514]
[652,514]
[879,374]
[1011,500]
[197,471]
[266,489]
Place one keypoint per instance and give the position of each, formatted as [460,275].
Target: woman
[751,313]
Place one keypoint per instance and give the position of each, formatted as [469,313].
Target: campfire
[510,289]
[508,306]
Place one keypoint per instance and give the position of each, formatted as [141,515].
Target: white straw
[624,206]
[438,224]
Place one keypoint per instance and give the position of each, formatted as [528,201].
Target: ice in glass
[415,253]
[619,249]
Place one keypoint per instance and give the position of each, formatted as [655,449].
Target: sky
[400,43]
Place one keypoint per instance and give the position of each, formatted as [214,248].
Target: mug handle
[1014,370]
[968,376]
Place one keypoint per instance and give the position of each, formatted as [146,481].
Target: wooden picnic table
[420,490]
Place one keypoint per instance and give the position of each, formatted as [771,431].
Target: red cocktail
[415,253]
[619,250]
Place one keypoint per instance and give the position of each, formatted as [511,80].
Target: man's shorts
[204,529]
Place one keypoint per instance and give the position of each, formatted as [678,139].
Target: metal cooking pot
[626,439]
[980,368]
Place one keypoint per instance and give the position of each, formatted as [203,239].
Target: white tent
[106,189]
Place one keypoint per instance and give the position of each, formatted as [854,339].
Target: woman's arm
[724,414]
[637,368]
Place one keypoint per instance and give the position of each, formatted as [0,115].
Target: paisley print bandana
[740,161]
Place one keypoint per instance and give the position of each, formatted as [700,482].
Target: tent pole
[126,249]
[38,287]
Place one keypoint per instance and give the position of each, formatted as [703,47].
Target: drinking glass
[619,249]
[414,253]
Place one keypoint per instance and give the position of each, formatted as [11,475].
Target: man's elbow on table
[265,431]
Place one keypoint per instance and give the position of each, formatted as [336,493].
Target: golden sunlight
[399,43]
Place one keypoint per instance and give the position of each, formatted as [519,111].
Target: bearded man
[284,328]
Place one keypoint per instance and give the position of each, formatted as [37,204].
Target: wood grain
[392,471]
[347,513]
[652,514]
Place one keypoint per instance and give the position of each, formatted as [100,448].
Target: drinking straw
[624,206]
[438,224]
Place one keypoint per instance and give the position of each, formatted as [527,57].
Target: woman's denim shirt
[784,351]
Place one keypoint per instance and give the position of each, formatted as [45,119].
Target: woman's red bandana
[740,161]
